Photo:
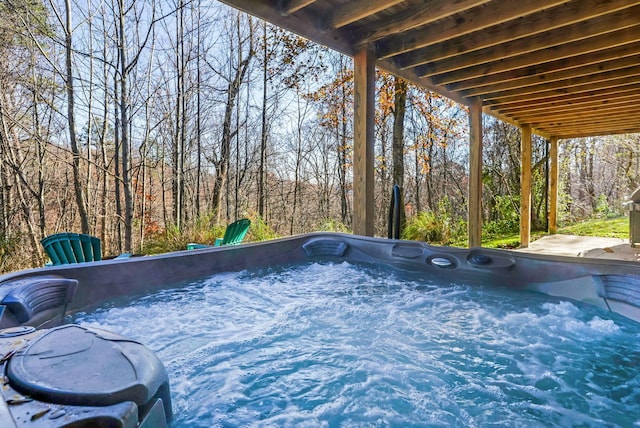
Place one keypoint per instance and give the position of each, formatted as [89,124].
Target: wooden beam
[525,186]
[553,186]
[618,131]
[532,59]
[589,131]
[604,92]
[303,22]
[619,117]
[575,85]
[537,46]
[623,127]
[564,105]
[596,129]
[475,174]
[542,69]
[295,5]
[570,99]
[632,118]
[417,16]
[426,83]
[461,24]
[355,10]
[608,109]
[363,141]
[540,22]
[542,78]
[591,123]
[512,121]
[593,130]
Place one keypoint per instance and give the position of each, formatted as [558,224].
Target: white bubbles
[346,345]
[561,309]
[605,327]
[565,318]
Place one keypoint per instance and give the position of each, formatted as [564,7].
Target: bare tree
[77,181]
[245,52]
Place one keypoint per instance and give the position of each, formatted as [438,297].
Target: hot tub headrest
[29,296]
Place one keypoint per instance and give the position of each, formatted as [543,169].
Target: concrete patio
[584,246]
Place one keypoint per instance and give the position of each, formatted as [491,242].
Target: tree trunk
[298,160]
[179,143]
[400,102]
[198,115]
[263,138]
[222,164]
[342,155]
[116,163]
[77,184]
[13,158]
[4,174]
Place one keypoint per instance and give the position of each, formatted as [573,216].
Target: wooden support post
[525,186]
[363,141]
[553,186]
[475,174]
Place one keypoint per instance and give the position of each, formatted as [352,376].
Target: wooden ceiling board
[540,22]
[563,77]
[571,65]
[577,85]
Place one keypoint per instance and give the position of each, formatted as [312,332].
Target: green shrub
[259,229]
[441,227]
[604,210]
[500,227]
[204,231]
[426,226]
[333,225]
[11,254]
[507,217]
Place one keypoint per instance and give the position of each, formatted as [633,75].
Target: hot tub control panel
[73,375]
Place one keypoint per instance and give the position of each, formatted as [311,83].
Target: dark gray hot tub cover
[79,366]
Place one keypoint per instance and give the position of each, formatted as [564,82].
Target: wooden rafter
[570,99]
[586,132]
[571,65]
[355,10]
[456,26]
[578,123]
[525,83]
[578,13]
[578,85]
[424,14]
[609,109]
[565,41]
[295,5]
[533,58]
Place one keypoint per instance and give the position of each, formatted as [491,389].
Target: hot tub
[46,298]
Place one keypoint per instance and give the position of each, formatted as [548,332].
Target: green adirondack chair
[67,247]
[233,235]
[64,248]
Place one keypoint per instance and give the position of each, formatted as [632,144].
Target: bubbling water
[347,345]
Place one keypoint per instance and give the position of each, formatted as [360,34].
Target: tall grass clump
[333,225]
[259,229]
[205,230]
[430,227]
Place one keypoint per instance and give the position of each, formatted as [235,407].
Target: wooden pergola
[557,69]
